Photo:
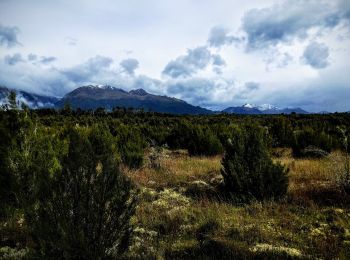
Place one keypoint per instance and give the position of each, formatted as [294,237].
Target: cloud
[47,60]
[286,21]
[250,86]
[50,80]
[218,60]
[344,6]
[316,55]
[32,57]
[218,36]
[195,60]
[129,65]
[17,57]
[70,41]
[194,90]
[8,36]
[207,92]
[88,71]
[14,59]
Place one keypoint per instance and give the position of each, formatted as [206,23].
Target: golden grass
[177,170]
[300,226]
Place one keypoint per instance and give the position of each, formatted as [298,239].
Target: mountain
[266,109]
[30,99]
[108,97]
[246,109]
[94,96]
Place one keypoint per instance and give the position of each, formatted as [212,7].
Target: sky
[215,54]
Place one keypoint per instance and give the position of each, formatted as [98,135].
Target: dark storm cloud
[13,59]
[8,36]
[129,65]
[316,55]
[284,22]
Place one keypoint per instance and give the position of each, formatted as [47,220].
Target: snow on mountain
[264,107]
[247,105]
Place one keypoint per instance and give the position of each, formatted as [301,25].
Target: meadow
[179,217]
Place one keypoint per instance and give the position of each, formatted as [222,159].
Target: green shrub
[198,140]
[130,146]
[80,203]
[310,138]
[248,170]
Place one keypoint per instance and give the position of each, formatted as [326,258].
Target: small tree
[248,170]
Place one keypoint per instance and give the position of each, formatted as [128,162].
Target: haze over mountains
[32,100]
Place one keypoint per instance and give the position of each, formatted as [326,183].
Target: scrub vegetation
[127,184]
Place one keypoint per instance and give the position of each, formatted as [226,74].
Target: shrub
[130,146]
[197,140]
[204,142]
[309,138]
[81,202]
[248,170]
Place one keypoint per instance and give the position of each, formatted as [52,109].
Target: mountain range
[108,97]
[265,109]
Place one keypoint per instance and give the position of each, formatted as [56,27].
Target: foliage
[198,140]
[248,170]
[309,137]
[63,194]
[76,201]
[130,146]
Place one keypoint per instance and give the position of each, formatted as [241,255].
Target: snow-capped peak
[264,107]
[249,105]
[101,86]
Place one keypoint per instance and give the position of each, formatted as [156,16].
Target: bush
[309,138]
[197,140]
[204,142]
[248,170]
[81,203]
[130,146]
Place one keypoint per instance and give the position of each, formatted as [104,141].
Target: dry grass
[315,180]
[176,169]
[172,225]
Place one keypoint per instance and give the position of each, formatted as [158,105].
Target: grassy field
[181,214]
